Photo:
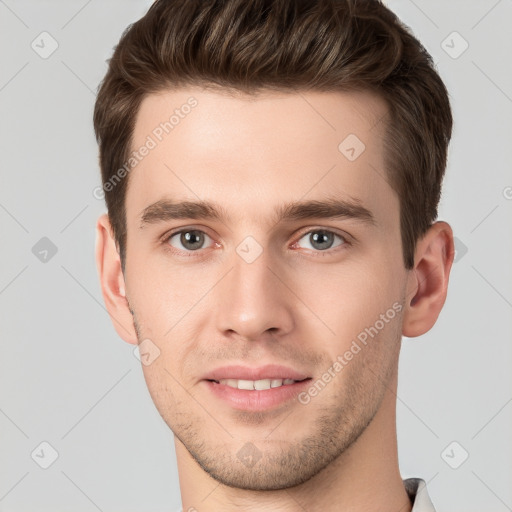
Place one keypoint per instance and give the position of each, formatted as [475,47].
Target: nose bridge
[253,298]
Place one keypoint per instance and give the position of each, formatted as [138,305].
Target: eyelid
[175,231]
[335,231]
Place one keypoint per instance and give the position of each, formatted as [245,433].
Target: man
[272,171]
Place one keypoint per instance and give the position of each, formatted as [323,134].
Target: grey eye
[321,239]
[190,239]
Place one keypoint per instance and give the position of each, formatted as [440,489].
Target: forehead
[253,152]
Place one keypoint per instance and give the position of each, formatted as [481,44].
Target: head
[333,103]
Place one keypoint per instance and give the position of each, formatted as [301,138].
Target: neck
[365,478]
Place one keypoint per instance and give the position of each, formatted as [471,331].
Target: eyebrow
[165,210]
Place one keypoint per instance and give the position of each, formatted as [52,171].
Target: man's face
[250,289]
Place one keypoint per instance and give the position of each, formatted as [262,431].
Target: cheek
[347,298]
[165,391]
[162,294]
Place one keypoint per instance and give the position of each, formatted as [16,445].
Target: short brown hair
[285,45]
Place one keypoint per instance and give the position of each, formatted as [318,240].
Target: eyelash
[347,242]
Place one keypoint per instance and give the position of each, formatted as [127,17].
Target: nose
[253,298]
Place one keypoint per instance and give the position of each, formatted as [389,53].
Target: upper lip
[270,371]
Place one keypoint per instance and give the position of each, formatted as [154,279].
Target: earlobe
[112,283]
[428,280]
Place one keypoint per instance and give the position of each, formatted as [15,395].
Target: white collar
[417,490]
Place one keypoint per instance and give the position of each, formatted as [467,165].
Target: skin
[296,304]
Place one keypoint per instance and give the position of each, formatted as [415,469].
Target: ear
[428,281]
[112,282]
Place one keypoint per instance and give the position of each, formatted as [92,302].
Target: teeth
[245,384]
[256,384]
[260,384]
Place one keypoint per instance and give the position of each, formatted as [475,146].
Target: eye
[188,239]
[321,240]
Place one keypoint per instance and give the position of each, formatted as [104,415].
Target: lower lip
[257,400]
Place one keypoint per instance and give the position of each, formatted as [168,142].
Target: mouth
[262,388]
[256,385]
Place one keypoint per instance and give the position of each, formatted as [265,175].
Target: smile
[259,385]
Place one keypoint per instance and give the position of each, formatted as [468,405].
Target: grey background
[68,380]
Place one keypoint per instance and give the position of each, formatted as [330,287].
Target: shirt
[417,490]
